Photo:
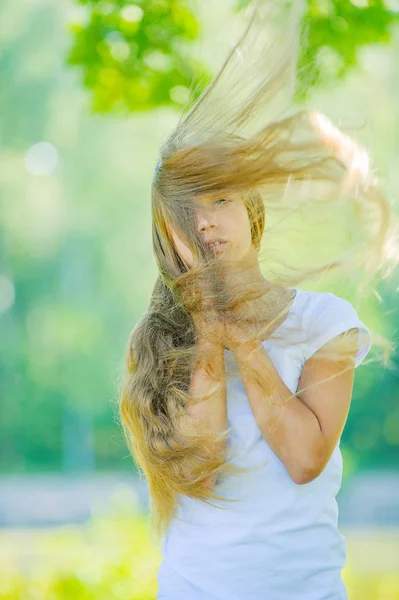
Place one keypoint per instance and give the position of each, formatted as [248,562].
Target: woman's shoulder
[324,315]
[313,306]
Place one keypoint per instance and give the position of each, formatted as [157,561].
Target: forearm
[290,428]
[212,411]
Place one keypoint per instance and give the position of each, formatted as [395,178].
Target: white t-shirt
[279,540]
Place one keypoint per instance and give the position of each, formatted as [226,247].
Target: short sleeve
[329,315]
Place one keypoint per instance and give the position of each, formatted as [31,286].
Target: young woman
[238,382]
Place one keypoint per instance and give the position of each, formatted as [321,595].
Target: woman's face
[220,218]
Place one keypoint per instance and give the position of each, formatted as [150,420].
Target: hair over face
[243,136]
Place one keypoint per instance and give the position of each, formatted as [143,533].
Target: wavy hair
[289,167]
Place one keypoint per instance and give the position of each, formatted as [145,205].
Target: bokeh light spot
[132,13]
[41,159]
[7,293]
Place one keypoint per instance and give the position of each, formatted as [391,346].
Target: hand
[209,327]
[224,328]
[239,335]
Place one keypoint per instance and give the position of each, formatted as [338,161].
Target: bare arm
[290,428]
[209,380]
[212,411]
[304,431]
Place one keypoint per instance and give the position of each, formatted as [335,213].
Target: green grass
[372,570]
[112,557]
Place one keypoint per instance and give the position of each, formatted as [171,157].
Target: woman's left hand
[238,335]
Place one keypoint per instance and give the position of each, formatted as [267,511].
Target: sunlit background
[89,91]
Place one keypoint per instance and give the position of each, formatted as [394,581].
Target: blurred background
[89,91]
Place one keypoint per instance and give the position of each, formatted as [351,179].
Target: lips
[216,245]
[207,242]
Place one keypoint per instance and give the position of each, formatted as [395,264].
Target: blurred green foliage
[135,56]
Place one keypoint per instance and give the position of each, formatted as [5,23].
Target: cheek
[244,228]
[187,256]
[184,251]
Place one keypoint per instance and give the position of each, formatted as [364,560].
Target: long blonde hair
[242,137]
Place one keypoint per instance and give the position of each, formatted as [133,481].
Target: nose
[205,220]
